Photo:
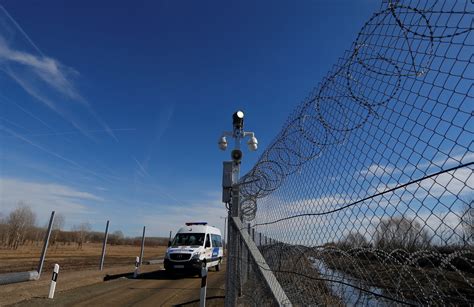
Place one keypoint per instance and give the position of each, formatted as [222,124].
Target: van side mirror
[169,243]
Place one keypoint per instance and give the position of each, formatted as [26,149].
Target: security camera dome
[252,144]
[222,143]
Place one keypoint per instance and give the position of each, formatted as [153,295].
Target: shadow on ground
[209,298]
[155,275]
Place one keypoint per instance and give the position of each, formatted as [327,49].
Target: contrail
[75,96]
[26,140]
[12,123]
[76,132]
[27,112]
[22,31]
[141,167]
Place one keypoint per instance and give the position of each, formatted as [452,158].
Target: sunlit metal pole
[230,196]
[104,246]
[45,246]
[143,246]
[225,231]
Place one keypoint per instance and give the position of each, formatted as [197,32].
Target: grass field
[69,257]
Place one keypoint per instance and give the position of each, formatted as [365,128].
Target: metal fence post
[143,246]
[45,246]
[247,254]
[104,246]
[202,297]
[233,274]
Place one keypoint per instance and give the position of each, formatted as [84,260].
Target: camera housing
[223,143]
[252,143]
[236,155]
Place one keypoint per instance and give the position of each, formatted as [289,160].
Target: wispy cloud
[45,197]
[380,170]
[56,155]
[43,77]
[173,219]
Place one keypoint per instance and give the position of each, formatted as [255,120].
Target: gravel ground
[151,289]
[14,293]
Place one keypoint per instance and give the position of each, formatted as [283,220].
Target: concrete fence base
[10,278]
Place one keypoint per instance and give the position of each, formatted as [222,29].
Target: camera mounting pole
[230,196]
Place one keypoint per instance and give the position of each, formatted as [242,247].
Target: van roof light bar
[196,223]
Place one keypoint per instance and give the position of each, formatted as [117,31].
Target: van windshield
[188,239]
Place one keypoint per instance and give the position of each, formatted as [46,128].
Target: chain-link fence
[366,194]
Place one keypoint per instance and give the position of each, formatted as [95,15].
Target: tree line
[408,234]
[20,228]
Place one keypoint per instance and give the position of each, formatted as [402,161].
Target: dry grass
[69,257]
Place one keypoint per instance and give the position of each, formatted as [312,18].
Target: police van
[193,246]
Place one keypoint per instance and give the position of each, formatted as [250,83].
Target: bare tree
[58,224]
[3,230]
[467,222]
[117,238]
[81,232]
[353,240]
[19,222]
[401,233]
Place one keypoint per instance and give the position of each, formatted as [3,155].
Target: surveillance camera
[222,143]
[252,143]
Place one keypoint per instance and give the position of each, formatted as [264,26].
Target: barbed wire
[368,78]
[369,186]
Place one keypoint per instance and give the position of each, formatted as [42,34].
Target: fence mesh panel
[367,191]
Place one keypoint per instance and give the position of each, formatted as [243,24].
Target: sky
[112,110]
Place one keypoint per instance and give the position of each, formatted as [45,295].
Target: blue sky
[112,110]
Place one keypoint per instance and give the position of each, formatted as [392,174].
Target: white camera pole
[230,196]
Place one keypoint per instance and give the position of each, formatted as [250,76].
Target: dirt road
[151,289]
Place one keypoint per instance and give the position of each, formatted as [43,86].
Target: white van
[193,246]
